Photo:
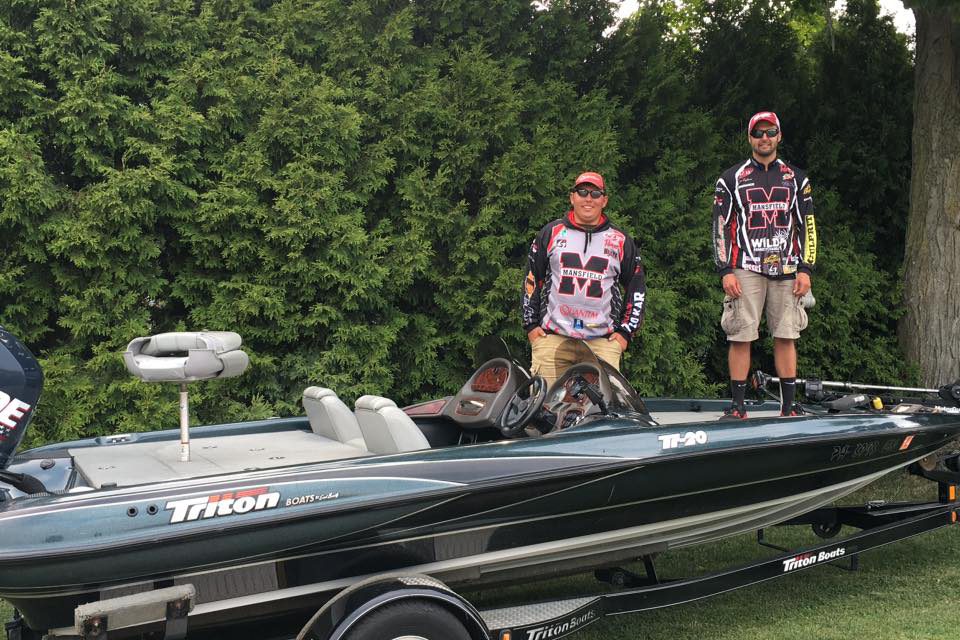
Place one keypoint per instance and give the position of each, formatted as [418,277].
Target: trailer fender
[352,605]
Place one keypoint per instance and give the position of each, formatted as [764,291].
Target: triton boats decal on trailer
[224,504]
[807,559]
[559,629]
[690,438]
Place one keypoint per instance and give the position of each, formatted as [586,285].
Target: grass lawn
[908,590]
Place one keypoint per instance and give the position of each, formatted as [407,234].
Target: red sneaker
[734,413]
[794,411]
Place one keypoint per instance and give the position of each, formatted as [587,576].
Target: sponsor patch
[578,312]
[530,284]
[777,243]
[613,244]
[744,173]
[634,312]
[810,251]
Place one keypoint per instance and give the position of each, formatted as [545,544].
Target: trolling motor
[815,390]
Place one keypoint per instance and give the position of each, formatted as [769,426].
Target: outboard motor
[21,382]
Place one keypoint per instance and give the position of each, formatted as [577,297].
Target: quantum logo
[224,504]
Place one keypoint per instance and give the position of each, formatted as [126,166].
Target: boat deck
[143,462]
[126,464]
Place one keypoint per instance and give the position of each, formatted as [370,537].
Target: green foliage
[864,152]
[352,187]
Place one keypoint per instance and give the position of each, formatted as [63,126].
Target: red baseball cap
[769,116]
[589,177]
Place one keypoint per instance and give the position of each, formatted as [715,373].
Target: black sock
[788,391]
[739,390]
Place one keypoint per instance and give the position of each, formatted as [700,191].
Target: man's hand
[731,286]
[802,284]
[619,339]
[535,334]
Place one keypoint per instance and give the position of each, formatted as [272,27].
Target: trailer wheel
[409,620]
[826,529]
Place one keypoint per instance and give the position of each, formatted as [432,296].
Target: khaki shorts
[553,354]
[786,317]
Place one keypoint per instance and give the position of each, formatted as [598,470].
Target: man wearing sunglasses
[577,265]
[765,246]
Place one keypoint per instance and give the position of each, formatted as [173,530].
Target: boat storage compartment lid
[186,356]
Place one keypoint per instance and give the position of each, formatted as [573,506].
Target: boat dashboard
[500,384]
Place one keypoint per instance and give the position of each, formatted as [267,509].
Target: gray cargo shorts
[786,317]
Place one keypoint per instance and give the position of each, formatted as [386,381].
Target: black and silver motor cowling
[21,382]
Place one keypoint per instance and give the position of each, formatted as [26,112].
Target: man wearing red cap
[765,246]
[576,267]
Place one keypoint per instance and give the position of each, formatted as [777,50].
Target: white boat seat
[331,418]
[387,429]
[186,356]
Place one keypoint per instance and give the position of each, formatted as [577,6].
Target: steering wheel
[519,410]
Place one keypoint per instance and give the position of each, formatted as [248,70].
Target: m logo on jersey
[575,275]
[768,208]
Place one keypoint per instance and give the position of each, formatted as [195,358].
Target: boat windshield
[489,348]
[618,392]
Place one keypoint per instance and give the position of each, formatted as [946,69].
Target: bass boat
[505,481]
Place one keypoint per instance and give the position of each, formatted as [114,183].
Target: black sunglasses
[593,193]
[771,132]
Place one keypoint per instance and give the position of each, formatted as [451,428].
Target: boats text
[293,502]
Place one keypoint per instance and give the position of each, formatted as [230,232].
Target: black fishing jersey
[763,220]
